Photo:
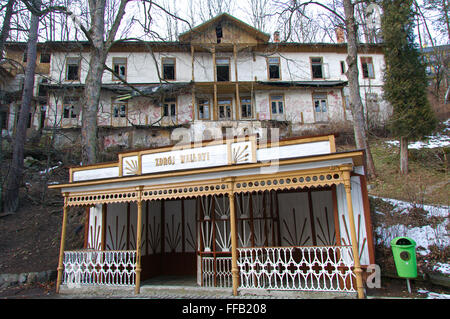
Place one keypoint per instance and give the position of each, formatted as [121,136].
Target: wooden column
[61,246]
[238,100]
[193,85]
[355,249]
[234,242]
[137,288]
[214,111]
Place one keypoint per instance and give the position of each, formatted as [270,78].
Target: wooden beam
[238,100]
[234,256]
[215,84]
[355,249]
[137,287]
[61,246]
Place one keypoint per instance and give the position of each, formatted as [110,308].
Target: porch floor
[184,281]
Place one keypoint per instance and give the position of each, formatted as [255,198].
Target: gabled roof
[188,35]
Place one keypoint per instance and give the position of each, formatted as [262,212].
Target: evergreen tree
[405,81]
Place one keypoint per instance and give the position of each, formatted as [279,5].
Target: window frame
[78,66]
[70,103]
[268,68]
[113,76]
[282,99]
[317,63]
[242,98]
[168,102]
[198,108]
[163,60]
[368,60]
[229,68]
[219,104]
[45,54]
[314,98]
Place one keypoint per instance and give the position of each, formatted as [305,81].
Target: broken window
[342,67]
[168,68]
[367,68]
[274,68]
[119,110]
[170,107]
[223,69]
[119,68]
[246,107]
[45,58]
[277,104]
[72,69]
[219,33]
[320,107]
[203,109]
[224,108]
[316,68]
[3,120]
[70,107]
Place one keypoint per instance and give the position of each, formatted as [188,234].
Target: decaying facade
[222,75]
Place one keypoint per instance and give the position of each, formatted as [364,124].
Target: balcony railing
[100,268]
[317,268]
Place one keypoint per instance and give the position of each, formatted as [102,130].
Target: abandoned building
[245,212]
[220,75]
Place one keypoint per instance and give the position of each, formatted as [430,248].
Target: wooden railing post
[137,288]
[234,252]
[355,249]
[61,246]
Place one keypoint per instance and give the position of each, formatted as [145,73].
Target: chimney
[276,36]
[340,34]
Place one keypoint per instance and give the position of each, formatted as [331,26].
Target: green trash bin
[404,251]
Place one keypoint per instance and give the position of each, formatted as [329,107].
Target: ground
[30,238]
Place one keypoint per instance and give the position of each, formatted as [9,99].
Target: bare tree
[15,175]
[100,40]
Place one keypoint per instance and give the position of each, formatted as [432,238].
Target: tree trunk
[404,155]
[6,25]
[14,179]
[92,90]
[353,82]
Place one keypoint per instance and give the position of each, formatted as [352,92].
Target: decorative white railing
[104,268]
[318,268]
[218,273]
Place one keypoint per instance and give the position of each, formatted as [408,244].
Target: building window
[73,69]
[70,107]
[168,68]
[170,107]
[320,107]
[119,110]
[277,104]
[219,33]
[119,68]
[367,68]
[45,58]
[316,68]
[203,109]
[3,120]
[342,67]
[274,68]
[223,69]
[224,109]
[246,108]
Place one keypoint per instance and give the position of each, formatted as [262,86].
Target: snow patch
[424,236]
